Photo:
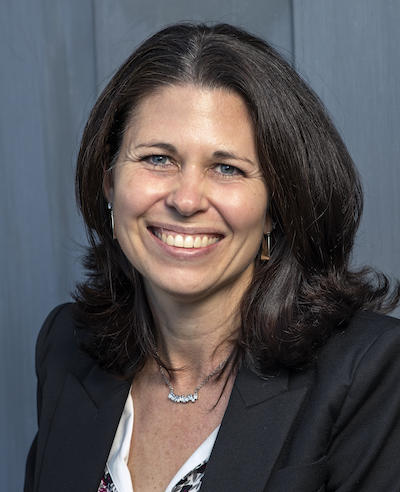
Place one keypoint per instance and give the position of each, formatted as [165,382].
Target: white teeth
[186,241]
[178,241]
[197,242]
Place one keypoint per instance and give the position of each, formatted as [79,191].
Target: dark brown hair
[306,291]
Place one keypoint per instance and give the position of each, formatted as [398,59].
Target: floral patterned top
[191,482]
[106,484]
[117,478]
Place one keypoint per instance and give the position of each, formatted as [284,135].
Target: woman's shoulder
[372,324]
[369,342]
[57,347]
[365,329]
[59,326]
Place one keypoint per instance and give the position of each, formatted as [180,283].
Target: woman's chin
[181,291]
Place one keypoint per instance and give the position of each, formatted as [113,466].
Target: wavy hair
[306,291]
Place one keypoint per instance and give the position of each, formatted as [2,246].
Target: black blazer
[333,427]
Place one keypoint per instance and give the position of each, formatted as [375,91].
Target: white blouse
[117,463]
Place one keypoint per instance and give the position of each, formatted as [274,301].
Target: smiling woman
[184,220]
[220,341]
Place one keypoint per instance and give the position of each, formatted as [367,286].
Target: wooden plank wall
[56,57]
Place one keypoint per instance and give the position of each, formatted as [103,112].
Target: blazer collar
[254,389]
[256,424]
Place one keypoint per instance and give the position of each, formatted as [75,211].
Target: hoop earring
[266,247]
[111,218]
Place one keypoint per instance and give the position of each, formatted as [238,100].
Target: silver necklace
[193,397]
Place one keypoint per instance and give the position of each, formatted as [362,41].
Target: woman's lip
[187,230]
[182,253]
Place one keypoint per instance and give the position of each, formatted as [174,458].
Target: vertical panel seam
[292,28]
[94,43]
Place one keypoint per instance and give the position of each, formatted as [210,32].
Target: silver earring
[112,218]
[266,247]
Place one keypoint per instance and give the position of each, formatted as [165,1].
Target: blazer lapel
[256,423]
[82,431]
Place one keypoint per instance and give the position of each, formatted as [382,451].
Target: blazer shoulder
[371,322]
[57,347]
[369,338]
[366,328]
[60,316]
[363,446]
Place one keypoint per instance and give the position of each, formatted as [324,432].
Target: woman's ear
[268,224]
[108,185]
[108,188]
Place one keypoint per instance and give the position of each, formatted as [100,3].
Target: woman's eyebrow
[223,154]
[218,154]
[161,145]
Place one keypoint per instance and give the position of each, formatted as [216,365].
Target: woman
[221,340]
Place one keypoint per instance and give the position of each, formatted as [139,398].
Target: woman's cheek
[137,196]
[244,211]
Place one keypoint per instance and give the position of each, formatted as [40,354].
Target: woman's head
[189,199]
[315,198]
[311,194]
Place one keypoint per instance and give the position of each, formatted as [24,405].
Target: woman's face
[188,196]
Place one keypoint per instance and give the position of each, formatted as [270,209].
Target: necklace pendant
[183,398]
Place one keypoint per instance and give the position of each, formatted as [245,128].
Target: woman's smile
[182,246]
[188,196]
[186,241]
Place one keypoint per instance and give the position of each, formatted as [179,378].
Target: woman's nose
[188,195]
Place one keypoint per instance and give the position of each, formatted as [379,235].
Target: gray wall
[57,55]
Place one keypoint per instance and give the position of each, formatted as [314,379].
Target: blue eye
[228,170]
[157,160]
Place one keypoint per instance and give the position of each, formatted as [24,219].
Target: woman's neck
[196,335]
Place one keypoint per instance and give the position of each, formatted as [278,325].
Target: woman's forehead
[189,113]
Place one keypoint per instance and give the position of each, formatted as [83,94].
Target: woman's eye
[158,160]
[228,170]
